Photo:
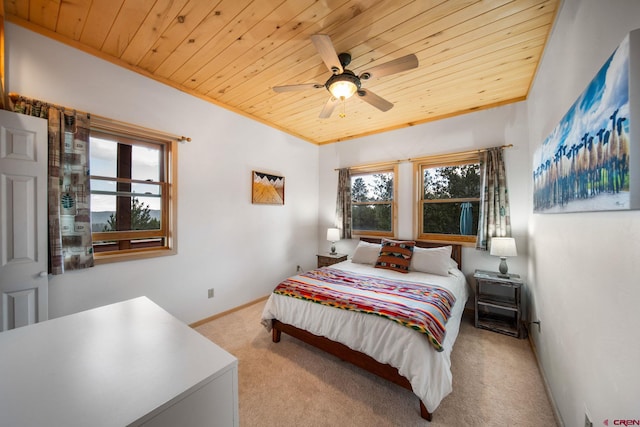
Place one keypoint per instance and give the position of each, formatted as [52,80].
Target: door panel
[19,219]
[20,308]
[23,220]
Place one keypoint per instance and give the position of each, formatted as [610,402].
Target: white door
[24,292]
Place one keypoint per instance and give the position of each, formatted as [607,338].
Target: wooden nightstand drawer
[327,259]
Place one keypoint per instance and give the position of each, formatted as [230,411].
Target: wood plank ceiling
[473,54]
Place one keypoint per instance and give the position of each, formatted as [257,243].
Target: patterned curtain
[343,203]
[70,244]
[495,217]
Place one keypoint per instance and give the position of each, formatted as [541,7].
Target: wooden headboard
[456,250]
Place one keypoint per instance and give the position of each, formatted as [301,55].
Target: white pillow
[453,263]
[432,260]
[366,253]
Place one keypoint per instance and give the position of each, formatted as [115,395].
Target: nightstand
[498,303]
[326,259]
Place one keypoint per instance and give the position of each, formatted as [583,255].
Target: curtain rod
[461,153]
[392,162]
[105,121]
[110,124]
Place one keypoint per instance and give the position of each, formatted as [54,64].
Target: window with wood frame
[448,197]
[373,200]
[133,193]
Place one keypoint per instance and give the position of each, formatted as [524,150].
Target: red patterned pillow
[395,255]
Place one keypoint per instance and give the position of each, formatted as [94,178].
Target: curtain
[69,210]
[495,217]
[343,203]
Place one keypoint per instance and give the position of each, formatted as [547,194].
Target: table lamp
[503,247]
[333,235]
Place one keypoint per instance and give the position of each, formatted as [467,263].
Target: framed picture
[267,189]
[589,161]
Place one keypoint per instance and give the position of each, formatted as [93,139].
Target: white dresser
[126,364]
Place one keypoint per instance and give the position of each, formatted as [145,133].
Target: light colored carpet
[496,382]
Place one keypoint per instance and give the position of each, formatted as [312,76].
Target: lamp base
[333,249]
[503,268]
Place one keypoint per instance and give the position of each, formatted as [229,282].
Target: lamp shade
[503,246]
[333,234]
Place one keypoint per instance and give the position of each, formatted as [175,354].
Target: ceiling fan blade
[289,88]
[327,52]
[395,66]
[328,108]
[373,99]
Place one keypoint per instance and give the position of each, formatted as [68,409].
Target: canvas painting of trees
[587,163]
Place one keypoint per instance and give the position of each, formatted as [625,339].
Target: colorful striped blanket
[425,308]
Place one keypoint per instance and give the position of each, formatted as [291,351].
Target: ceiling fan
[345,83]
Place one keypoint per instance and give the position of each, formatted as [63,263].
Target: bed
[407,356]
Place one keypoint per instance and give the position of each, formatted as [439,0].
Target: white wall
[224,241]
[488,128]
[584,268]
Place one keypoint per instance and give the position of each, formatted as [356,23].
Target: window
[373,206]
[132,193]
[448,198]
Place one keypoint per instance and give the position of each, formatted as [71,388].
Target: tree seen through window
[372,202]
[451,199]
[141,218]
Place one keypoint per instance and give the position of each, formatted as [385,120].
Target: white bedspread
[428,371]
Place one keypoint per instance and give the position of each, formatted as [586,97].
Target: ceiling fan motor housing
[345,59]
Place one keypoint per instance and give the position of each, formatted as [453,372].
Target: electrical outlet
[298,269]
[537,322]
[210,293]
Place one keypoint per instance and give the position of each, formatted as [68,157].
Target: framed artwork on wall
[267,189]
[589,161]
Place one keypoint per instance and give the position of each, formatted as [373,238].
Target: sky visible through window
[370,182]
[146,166]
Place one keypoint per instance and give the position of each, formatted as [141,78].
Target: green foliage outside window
[372,197]
[141,218]
[452,182]
[451,199]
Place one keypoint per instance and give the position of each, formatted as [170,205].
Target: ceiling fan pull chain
[344,113]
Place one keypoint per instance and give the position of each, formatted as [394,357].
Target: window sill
[372,234]
[466,241]
[107,258]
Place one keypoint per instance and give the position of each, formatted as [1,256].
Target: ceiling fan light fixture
[342,90]
[343,86]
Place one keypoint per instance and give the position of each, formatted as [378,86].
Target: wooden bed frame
[354,357]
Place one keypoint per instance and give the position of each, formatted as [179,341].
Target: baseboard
[556,413]
[224,313]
